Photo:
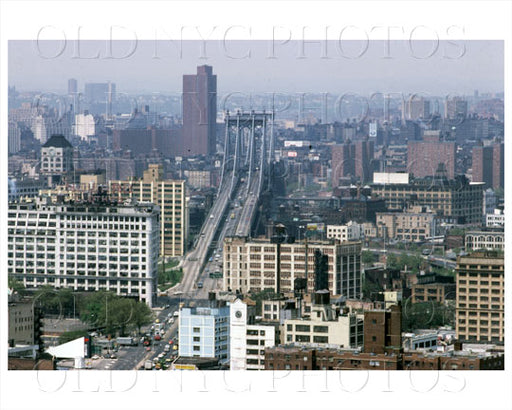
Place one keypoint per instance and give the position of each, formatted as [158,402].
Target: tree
[392,261]
[69,336]
[368,257]
[142,315]
[114,314]
[16,285]
[426,315]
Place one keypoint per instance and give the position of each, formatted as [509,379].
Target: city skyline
[375,66]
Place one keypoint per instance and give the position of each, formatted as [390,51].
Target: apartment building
[254,265]
[480,314]
[170,196]
[85,246]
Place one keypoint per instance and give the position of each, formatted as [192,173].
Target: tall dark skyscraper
[199,112]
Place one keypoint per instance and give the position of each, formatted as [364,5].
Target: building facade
[56,156]
[487,240]
[170,196]
[352,231]
[488,165]
[247,341]
[204,332]
[456,198]
[424,157]
[85,246]
[324,328]
[254,265]
[414,225]
[480,314]
[496,219]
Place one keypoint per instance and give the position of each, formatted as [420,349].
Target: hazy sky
[349,66]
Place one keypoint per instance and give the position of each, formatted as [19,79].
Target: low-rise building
[484,240]
[352,231]
[432,287]
[325,326]
[413,225]
[496,219]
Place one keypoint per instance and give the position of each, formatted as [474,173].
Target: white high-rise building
[39,129]
[84,126]
[85,246]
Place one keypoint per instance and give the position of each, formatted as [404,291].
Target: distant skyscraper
[456,107]
[101,95]
[72,86]
[417,108]
[199,112]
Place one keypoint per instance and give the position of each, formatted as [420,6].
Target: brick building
[424,157]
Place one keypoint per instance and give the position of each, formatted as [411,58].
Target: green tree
[368,257]
[370,289]
[392,261]
[16,285]
[426,315]
[114,314]
[142,315]
[69,336]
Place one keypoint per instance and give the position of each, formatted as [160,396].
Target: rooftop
[57,141]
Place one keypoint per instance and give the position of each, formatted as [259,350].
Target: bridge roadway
[195,259]
[243,227]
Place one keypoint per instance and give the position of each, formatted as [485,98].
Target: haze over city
[145,66]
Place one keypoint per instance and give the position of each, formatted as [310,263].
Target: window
[321,329]
[197,348]
[302,328]
[197,339]
[196,329]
